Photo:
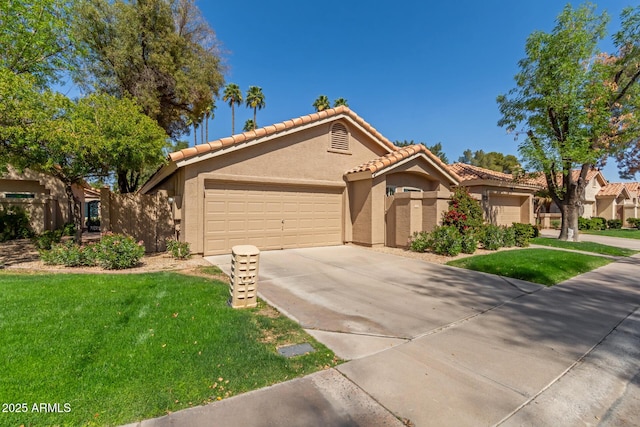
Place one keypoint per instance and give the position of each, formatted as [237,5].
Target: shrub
[465,212]
[508,237]
[598,223]
[469,243]
[446,240]
[584,223]
[178,250]
[419,242]
[69,229]
[14,223]
[555,223]
[45,240]
[116,252]
[492,237]
[68,254]
[523,233]
[614,224]
[634,222]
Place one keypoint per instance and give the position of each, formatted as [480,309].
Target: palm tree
[340,101]
[233,96]
[208,114]
[249,125]
[321,103]
[255,100]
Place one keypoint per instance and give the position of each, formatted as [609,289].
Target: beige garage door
[270,217]
[506,210]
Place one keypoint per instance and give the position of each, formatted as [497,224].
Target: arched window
[339,137]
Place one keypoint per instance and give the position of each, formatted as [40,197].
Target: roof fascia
[389,168]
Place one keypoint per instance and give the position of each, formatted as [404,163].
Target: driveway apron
[467,348]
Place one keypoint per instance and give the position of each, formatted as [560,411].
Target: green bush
[69,229]
[555,224]
[508,237]
[523,233]
[113,252]
[614,224]
[45,240]
[419,242]
[14,223]
[598,223]
[492,237]
[634,222]
[446,240]
[469,243]
[69,254]
[116,252]
[178,250]
[584,223]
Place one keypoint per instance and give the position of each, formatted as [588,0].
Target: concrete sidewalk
[566,355]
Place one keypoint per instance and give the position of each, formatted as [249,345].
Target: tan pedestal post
[243,286]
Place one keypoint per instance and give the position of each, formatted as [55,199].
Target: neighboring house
[41,195]
[504,199]
[600,199]
[327,178]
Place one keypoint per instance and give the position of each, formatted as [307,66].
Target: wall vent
[339,137]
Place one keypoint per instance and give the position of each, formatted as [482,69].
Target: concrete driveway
[358,301]
[449,347]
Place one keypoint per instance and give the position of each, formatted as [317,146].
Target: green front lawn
[583,246]
[624,233]
[110,349]
[543,266]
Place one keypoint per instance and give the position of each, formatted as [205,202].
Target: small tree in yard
[576,105]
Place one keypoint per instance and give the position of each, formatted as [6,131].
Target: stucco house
[608,200]
[326,178]
[504,198]
[42,196]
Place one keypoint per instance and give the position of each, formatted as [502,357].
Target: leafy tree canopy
[35,38]
[160,52]
[576,105]
[435,148]
[321,103]
[492,160]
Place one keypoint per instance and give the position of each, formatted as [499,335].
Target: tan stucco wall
[360,207]
[524,199]
[606,207]
[48,209]
[300,158]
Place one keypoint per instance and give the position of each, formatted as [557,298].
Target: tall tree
[340,101]
[233,96]
[35,38]
[160,52]
[209,114]
[437,150]
[249,125]
[321,103]
[255,100]
[575,105]
[492,160]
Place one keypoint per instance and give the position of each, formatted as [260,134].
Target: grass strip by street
[543,266]
[624,233]
[583,246]
[111,349]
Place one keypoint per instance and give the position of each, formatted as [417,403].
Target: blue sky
[423,71]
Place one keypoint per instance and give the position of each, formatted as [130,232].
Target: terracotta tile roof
[611,189]
[400,154]
[633,187]
[540,179]
[276,128]
[469,172]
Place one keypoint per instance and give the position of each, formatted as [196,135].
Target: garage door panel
[271,217]
[506,210]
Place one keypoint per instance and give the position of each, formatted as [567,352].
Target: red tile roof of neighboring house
[400,154]
[469,172]
[278,127]
[633,187]
[611,189]
[540,179]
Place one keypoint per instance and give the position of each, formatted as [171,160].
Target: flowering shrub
[465,212]
[113,252]
[116,252]
[178,250]
[492,237]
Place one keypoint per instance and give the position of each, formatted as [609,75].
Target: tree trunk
[233,120]
[570,212]
[76,213]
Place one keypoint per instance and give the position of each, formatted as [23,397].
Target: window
[339,137]
[19,196]
[391,190]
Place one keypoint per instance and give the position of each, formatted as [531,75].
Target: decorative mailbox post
[243,286]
